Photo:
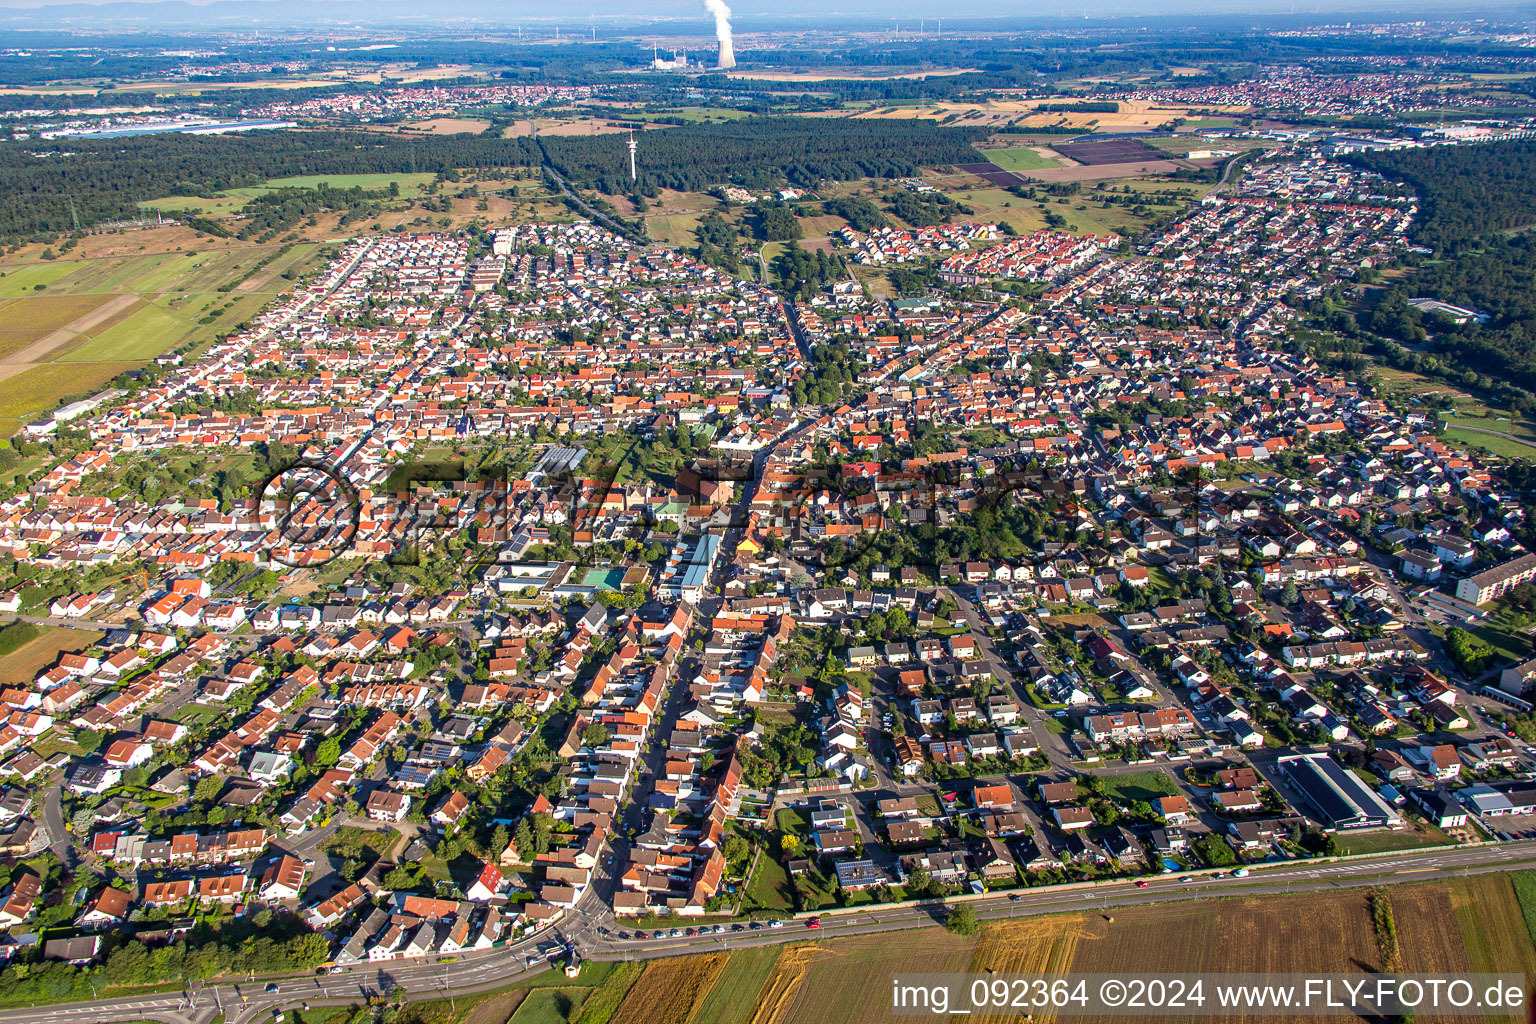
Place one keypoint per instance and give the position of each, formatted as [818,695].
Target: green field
[147,333]
[550,1006]
[1141,786]
[232,200]
[735,992]
[179,290]
[24,279]
[1507,447]
[672,228]
[1019,158]
[410,184]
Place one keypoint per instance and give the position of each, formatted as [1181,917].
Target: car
[690,933]
[814,922]
[775,924]
[1240,873]
[737,927]
[337,969]
[719,928]
[676,933]
[1186,878]
[1143,884]
[1014,897]
[271,987]
[756,925]
[1215,874]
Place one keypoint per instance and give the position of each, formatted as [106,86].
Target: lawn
[769,888]
[1387,841]
[1507,447]
[1141,786]
[1019,158]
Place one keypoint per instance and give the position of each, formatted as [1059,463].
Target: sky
[513,10]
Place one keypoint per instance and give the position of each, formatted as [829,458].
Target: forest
[1469,195]
[101,180]
[760,151]
[1464,191]
[1493,277]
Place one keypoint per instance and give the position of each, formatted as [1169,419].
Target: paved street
[490,969]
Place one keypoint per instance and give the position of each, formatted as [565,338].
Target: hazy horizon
[771,10]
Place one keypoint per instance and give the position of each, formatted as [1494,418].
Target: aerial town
[1023,597]
[541,518]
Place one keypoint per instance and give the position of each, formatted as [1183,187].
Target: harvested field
[1493,929]
[783,985]
[1257,934]
[24,664]
[734,995]
[1110,151]
[1098,171]
[498,1009]
[1428,939]
[1044,945]
[450,125]
[670,990]
[854,982]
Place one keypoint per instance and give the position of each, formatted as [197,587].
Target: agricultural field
[1495,933]
[736,989]
[1023,158]
[671,990]
[68,327]
[851,980]
[1043,945]
[21,664]
[1254,934]
[1427,934]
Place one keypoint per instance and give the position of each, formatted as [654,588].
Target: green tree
[962,920]
[328,752]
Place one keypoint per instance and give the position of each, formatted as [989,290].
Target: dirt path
[39,351]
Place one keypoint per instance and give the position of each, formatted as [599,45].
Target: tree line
[92,181]
[1464,191]
[760,151]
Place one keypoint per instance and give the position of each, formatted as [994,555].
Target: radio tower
[632,174]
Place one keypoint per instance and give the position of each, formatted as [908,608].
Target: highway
[594,933]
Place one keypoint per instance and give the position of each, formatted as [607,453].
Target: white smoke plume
[722,15]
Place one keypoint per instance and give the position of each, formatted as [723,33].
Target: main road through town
[591,929]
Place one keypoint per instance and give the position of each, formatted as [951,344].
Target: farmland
[22,664]
[1022,158]
[69,327]
[671,990]
[1494,932]
[736,989]
[853,980]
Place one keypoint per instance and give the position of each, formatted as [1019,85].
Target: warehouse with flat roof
[1337,796]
